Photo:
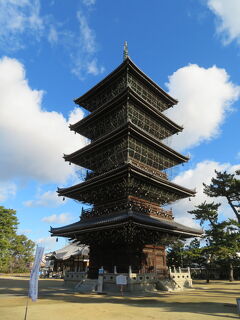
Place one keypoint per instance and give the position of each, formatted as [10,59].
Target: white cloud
[21,22]
[53,35]
[93,68]
[18,17]
[84,60]
[89,2]
[234,168]
[48,243]
[7,189]
[75,115]
[87,34]
[47,199]
[32,139]
[58,218]
[194,178]
[205,96]
[228,22]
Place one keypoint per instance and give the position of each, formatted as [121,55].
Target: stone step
[86,286]
[168,285]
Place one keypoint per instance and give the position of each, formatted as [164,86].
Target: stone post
[100,283]
[130,271]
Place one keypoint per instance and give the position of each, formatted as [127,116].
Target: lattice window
[107,94]
[114,191]
[105,159]
[145,93]
[138,205]
[150,192]
[147,123]
[104,193]
[149,156]
[127,150]
[107,123]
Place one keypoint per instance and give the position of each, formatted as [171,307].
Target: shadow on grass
[19,287]
[53,290]
[224,283]
[213,309]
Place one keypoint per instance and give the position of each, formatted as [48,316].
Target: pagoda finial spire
[125,50]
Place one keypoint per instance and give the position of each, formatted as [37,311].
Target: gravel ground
[216,300]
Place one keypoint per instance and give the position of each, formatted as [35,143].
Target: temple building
[71,258]
[126,180]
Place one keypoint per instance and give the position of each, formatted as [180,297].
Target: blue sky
[53,51]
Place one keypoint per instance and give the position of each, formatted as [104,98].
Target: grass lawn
[216,300]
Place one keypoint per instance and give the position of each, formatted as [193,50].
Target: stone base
[71,279]
[86,286]
[147,282]
[171,285]
[129,288]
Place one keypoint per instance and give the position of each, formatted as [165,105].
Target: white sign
[121,280]
[33,284]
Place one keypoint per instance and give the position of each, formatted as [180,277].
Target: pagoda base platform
[136,282]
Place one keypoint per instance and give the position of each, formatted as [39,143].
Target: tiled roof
[114,220]
[71,250]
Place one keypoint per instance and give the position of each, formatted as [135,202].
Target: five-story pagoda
[126,183]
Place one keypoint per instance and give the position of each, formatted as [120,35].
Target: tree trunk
[207,274]
[234,209]
[231,272]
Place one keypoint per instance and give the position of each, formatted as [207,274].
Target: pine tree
[222,238]
[226,185]
[16,251]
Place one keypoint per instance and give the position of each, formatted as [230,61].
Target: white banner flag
[33,284]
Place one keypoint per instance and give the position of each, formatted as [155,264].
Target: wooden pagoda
[126,182]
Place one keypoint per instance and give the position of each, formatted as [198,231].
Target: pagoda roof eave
[120,131]
[153,83]
[121,171]
[128,92]
[121,218]
[126,63]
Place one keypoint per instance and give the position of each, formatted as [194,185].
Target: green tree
[8,227]
[181,255]
[228,186]
[194,254]
[175,254]
[21,253]
[222,238]
[16,251]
